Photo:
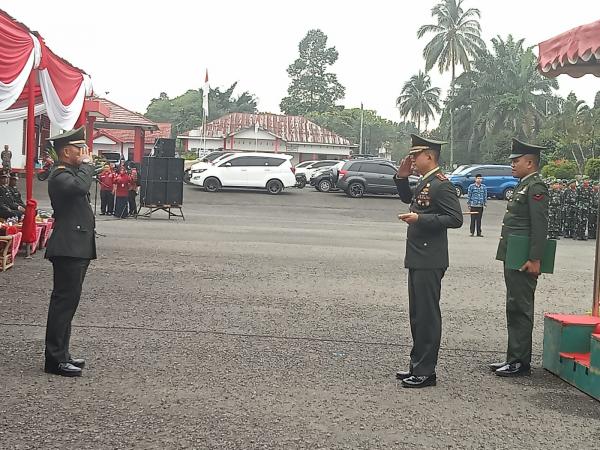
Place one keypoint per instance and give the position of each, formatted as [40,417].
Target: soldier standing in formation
[583,205]
[434,208]
[526,214]
[555,211]
[593,216]
[71,246]
[570,209]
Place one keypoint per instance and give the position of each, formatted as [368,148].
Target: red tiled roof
[121,117]
[288,128]
[164,131]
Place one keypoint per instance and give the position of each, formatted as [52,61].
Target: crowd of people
[118,190]
[573,208]
[11,201]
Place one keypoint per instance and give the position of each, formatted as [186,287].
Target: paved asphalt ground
[279,322]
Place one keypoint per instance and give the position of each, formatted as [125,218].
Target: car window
[240,161]
[371,168]
[212,156]
[273,162]
[304,164]
[322,164]
[387,170]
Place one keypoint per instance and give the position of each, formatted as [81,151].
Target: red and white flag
[205,91]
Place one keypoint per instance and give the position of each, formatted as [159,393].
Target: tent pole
[29,165]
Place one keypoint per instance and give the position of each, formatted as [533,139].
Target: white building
[293,135]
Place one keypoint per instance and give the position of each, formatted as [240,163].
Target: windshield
[212,156]
[304,164]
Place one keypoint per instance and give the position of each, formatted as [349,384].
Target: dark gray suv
[359,177]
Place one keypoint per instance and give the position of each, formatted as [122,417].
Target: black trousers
[132,204]
[107,202]
[424,288]
[69,274]
[476,219]
[121,207]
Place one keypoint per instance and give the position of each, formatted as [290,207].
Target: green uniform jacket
[73,234]
[437,205]
[527,214]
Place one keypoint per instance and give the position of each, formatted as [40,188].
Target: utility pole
[360,145]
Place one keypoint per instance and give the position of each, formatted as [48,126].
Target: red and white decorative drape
[63,87]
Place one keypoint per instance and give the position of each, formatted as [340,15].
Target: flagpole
[203,134]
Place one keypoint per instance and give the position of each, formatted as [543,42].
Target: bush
[592,168]
[561,169]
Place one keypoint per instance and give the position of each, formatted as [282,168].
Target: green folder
[517,253]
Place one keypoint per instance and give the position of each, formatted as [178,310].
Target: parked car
[305,170]
[269,171]
[201,163]
[323,179]
[497,178]
[367,176]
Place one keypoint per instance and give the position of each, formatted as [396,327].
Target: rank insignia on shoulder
[441,176]
[60,167]
[538,197]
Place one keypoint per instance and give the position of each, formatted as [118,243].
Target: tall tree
[185,111]
[419,100]
[456,37]
[312,88]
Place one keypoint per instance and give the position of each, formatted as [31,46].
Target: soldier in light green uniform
[526,214]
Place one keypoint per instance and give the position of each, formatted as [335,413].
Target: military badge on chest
[424,197]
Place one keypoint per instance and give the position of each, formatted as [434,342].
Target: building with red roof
[294,135]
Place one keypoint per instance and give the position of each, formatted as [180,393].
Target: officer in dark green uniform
[434,208]
[526,214]
[71,246]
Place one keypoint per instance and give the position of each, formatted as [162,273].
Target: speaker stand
[166,208]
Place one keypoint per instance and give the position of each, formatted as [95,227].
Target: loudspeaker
[161,182]
[164,148]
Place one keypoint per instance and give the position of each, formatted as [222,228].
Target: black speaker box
[161,182]
[164,148]
[175,169]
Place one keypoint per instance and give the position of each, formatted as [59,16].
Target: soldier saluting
[70,248]
[526,215]
[434,208]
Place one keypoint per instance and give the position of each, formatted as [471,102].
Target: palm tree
[457,37]
[419,100]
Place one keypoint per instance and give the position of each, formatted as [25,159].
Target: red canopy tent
[32,77]
[572,342]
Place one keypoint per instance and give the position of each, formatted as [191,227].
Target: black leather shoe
[402,375]
[513,370]
[63,369]
[77,362]
[415,381]
[496,366]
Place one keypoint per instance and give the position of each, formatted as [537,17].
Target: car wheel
[212,184]
[356,190]
[459,191]
[301,183]
[508,193]
[324,186]
[274,187]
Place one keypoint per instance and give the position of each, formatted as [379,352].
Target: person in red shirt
[107,199]
[121,191]
[133,186]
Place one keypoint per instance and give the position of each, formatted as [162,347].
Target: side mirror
[227,164]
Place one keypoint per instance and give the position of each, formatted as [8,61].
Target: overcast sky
[136,49]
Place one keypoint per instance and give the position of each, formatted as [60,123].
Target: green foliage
[419,100]
[312,88]
[456,37]
[377,131]
[185,111]
[592,168]
[561,169]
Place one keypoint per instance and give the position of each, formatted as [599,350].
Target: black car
[373,176]
[323,180]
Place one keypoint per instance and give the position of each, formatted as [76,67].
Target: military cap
[419,144]
[522,148]
[74,137]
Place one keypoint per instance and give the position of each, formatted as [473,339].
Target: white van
[270,171]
